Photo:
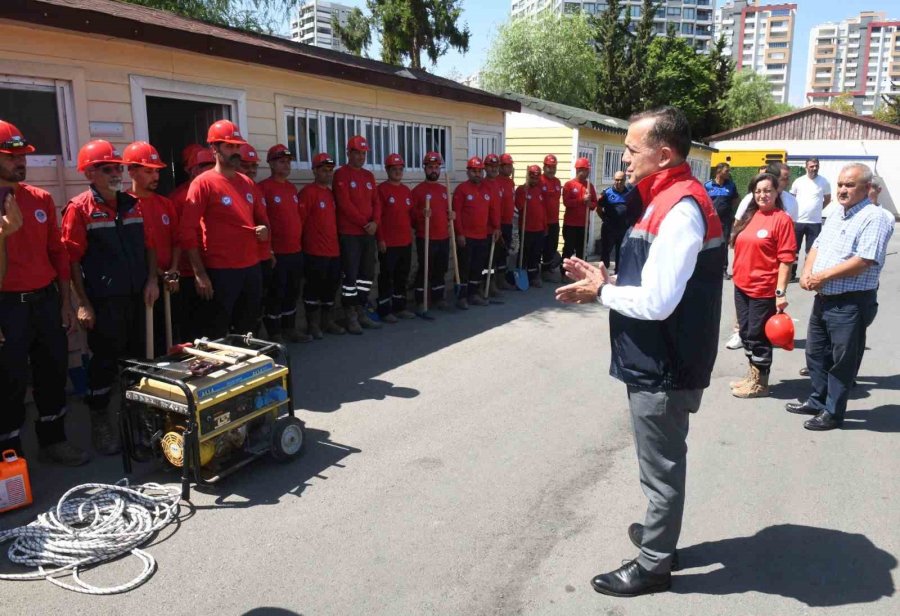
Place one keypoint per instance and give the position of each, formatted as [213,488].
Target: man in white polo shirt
[813,193]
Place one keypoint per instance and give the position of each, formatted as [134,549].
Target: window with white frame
[589,152]
[612,162]
[699,168]
[43,110]
[310,131]
[485,139]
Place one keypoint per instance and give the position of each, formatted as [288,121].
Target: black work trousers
[611,236]
[236,302]
[393,278]
[752,314]
[118,333]
[34,333]
[808,231]
[188,311]
[573,242]
[323,276]
[501,252]
[549,256]
[283,292]
[473,258]
[533,246]
[358,265]
[438,262]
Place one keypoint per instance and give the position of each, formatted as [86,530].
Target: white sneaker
[734,342]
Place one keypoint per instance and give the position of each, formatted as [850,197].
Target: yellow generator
[748,158]
[209,408]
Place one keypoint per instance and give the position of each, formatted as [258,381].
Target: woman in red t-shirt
[764,248]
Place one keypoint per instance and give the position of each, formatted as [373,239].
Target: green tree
[722,67]
[255,15]
[547,56]
[889,109]
[356,35]
[748,100]
[843,103]
[610,35]
[638,80]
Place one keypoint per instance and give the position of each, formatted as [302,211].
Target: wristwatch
[779,293]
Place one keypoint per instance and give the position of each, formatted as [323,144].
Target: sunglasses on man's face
[13,143]
[109,169]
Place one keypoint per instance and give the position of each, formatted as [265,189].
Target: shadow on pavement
[880,419]
[791,389]
[816,566]
[271,611]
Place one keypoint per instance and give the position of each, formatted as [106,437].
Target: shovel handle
[148,331]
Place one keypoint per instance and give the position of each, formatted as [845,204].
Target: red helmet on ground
[224,131]
[394,160]
[188,152]
[359,143]
[506,159]
[475,163]
[322,158]
[582,163]
[279,151]
[201,157]
[432,157]
[248,154]
[550,160]
[492,159]
[143,154]
[534,169]
[780,331]
[12,141]
[98,152]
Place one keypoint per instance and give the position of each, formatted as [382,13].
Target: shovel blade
[520,276]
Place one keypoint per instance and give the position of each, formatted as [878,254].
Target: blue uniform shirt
[613,204]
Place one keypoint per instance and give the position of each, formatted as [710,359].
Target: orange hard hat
[475,163]
[358,142]
[322,158]
[224,131]
[98,152]
[12,141]
[550,160]
[143,154]
[248,154]
[780,331]
[492,159]
[432,157]
[582,163]
[188,152]
[506,159]
[201,157]
[279,151]
[394,160]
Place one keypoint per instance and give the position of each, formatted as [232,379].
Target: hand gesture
[86,318]
[588,279]
[11,221]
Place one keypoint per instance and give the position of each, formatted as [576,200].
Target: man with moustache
[431,207]
[507,211]
[498,194]
[578,196]
[475,223]
[530,205]
[394,237]
[551,187]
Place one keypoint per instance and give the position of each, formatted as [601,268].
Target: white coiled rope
[92,523]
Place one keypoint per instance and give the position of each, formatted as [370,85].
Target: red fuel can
[15,488]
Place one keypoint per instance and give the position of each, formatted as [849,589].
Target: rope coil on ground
[92,523]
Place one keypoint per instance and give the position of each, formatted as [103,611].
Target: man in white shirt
[813,193]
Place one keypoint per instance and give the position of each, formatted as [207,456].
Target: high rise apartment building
[759,38]
[692,18]
[860,55]
[312,23]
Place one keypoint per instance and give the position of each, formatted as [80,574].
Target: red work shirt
[573,200]
[439,229]
[227,210]
[35,255]
[507,199]
[767,240]
[472,205]
[161,223]
[283,208]
[496,198]
[357,200]
[178,198]
[396,215]
[264,248]
[552,189]
[320,231]
[535,215]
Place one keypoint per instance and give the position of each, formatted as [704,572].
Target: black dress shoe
[804,371]
[636,534]
[631,580]
[800,408]
[821,422]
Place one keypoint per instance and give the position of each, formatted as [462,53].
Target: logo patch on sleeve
[40,216]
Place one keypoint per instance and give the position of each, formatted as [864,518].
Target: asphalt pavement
[483,464]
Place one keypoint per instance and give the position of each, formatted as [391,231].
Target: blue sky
[485,16]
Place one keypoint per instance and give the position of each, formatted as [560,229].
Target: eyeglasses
[13,143]
[110,169]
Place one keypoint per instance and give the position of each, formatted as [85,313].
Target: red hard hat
[143,154]
[248,154]
[432,157]
[201,157]
[506,159]
[550,160]
[780,331]
[224,131]
[492,159]
[475,163]
[394,160]
[534,169]
[188,152]
[358,142]
[323,158]
[582,163]
[12,141]
[98,152]
[279,151]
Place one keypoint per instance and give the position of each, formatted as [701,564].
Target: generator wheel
[287,438]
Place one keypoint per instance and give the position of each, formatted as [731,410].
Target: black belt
[28,297]
[848,294]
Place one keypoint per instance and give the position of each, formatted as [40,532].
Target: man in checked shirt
[842,268]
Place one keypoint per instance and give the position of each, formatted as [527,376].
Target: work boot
[537,282]
[314,324]
[742,382]
[330,326]
[502,284]
[494,290]
[442,304]
[364,319]
[477,300]
[389,318]
[63,453]
[756,387]
[292,335]
[405,314]
[462,304]
[103,436]
[353,322]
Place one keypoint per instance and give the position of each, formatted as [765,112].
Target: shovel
[457,286]
[520,276]
[426,281]
[587,222]
[490,270]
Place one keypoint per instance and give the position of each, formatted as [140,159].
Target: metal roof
[811,123]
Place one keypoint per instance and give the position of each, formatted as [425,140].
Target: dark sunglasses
[13,143]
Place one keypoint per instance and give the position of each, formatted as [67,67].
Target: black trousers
[752,314]
[501,252]
[188,311]
[548,252]
[236,302]
[283,292]
[323,276]
[573,242]
[438,263]
[834,341]
[393,278]
[726,216]
[34,332]
[534,246]
[358,266]
[118,333]
[808,231]
[611,236]
[473,259]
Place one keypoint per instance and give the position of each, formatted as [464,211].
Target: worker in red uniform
[187,307]
[322,254]
[531,196]
[576,197]
[161,222]
[493,182]
[234,221]
[431,206]
[35,310]
[359,214]
[552,190]
[285,218]
[250,167]
[113,265]
[394,236]
[476,224]
[507,213]
[249,161]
